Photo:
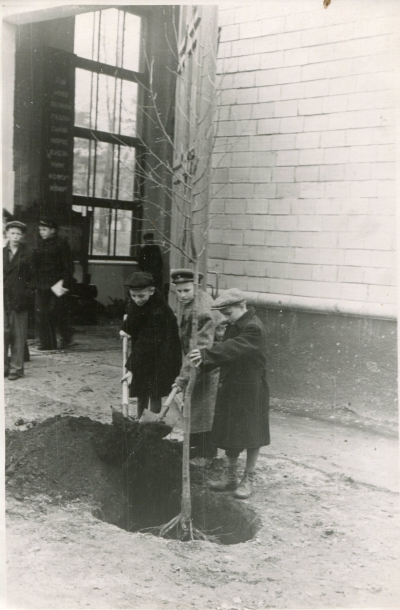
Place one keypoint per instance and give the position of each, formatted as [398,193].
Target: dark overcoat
[53,262]
[18,280]
[206,384]
[151,261]
[241,419]
[156,354]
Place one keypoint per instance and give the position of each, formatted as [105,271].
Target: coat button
[220,385]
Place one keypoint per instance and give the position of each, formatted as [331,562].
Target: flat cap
[233,296]
[180,276]
[16,224]
[48,222]
[139,280]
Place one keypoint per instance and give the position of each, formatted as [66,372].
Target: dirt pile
[130,474]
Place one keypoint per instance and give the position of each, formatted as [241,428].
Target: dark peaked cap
[48,222]
[180,276]
[139,280]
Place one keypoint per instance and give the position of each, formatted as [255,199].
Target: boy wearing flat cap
[206,385]
[18,298]
[54,269]
[241,419]
[156,354]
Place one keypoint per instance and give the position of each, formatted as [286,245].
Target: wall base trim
[312,304]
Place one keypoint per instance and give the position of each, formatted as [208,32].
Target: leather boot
[228,480]
[245,487]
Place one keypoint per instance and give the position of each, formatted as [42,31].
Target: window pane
[126,174]
[81,185]
[112,170]
[116,107]
[129,101]
[124,230]
[131,57]
[110,225]
[86,35]
[101,224]
[85,98]
[111,32]
[104,167]
[119,41]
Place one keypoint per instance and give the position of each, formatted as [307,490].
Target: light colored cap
[233,296]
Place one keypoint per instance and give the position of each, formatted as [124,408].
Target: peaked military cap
[48,222]
[16,224]
[180,276]
[233,296]
[139,280]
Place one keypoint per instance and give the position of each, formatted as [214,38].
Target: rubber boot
[228,480]
[245,487]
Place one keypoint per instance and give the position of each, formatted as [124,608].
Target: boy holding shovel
[156,354]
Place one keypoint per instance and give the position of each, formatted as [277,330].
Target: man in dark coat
[18,298]
[150,260]
[156,355]
[54,268]
[241,419]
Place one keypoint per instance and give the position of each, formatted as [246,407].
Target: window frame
[136,204]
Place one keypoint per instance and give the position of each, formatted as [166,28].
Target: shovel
[149,417]
[125,387]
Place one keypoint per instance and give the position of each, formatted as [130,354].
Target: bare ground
[329,513]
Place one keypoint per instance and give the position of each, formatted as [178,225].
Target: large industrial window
[107,143]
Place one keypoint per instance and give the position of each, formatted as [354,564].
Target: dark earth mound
[129,473]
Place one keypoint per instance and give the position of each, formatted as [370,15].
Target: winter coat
[18,279]
[53,262]
[241,419]
[205,388]
[156,354]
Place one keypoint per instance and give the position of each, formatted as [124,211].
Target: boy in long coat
[18,298]
[54,268]
[241,419]
[206,385]
[156,355]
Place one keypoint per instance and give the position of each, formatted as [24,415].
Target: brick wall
[304,161]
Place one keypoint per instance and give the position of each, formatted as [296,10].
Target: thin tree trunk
[186,504]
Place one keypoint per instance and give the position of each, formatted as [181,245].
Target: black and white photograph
[200,207]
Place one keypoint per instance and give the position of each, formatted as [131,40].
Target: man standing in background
[150,260]
[53,267]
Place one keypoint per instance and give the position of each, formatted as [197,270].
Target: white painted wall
[304,180]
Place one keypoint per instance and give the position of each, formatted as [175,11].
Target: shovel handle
[168,402]
[125,388]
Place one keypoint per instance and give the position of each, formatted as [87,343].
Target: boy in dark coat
[156,354]
[241,419]
[18,297]
[54,268]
